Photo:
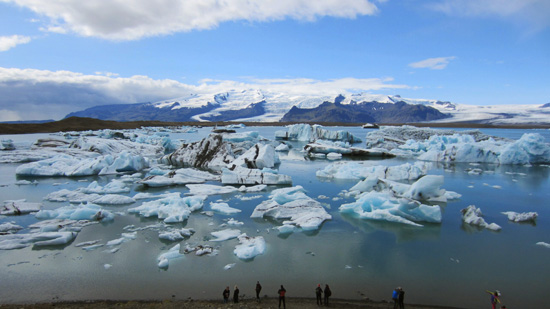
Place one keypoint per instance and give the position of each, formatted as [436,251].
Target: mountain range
[269,106]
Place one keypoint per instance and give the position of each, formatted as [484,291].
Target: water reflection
[402,232]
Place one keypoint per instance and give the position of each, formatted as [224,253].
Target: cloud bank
[135,19]
[29,94]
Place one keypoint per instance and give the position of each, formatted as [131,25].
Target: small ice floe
[125,237]
[256,188]
[247,176]
[224,208]
[521,217]
[232,221]
[18,207]
[176,235]
[18,241]
[164,259]
[472,215]
[455,260]
[60,225]
[170,209]
[347,267]
[226,234]
[113,187]
[180,176]
[543,244]
[9,227]
[249,247]
[90,212]
[87,243]
[293,204]
[26,182]
[147,195]
[282,147]
[206,189]
[497,187]
[107,266]
[229,266]
[114,199]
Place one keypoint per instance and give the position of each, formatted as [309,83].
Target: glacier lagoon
[448,263]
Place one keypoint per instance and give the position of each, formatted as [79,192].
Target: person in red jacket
[282,293]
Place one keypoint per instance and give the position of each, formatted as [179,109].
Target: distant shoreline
[85,124]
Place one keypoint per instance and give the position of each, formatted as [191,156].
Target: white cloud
[57,93]
[432,63]
[535,13]
[134,19]
[9,42]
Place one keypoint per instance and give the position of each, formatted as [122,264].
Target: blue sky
[62,56]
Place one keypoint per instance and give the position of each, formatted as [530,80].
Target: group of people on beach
[281,293]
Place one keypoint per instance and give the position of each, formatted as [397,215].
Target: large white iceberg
[521,217]
[180,176]
[361,170]
[249,247]
[171,209]
[307,133]
[293,204]
[248,176]
[206,189]
[386,207]
[258,156]
[212,152]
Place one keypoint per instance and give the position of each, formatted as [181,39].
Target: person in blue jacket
[395,297]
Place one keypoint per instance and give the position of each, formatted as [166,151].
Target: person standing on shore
[319,293]
[494,298]
[328,293]
[282,293]
[401,298]
[226,295]
[236,295]
[395,297]
[258,289]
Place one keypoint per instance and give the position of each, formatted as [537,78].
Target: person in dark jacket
[319,293]
[282,293]
[236,295]
[226,295]
[401,298]
[328,293]
[258,289]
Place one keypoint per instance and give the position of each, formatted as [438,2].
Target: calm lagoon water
[447,264]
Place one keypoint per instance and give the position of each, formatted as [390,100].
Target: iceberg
[241,137]
[7,144]
[226,234]
[472,215]
[543,244]
[18,241]
[247,176]
[293,204]
[9,227]
[19,207]
[327,148]
[90,212]
[180,176]
[521,217]
[113,199]
[106,146]
[224,208]
[176,235]
[386,207]
[282,147]
[170,209]
[164,259]
[259,156]
[307,133]
[113,187]
[210,189]
[249,247]
[360,171]
[212,152]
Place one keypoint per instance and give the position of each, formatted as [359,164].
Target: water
[446,264]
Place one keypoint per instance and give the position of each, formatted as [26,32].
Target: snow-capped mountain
[270,106]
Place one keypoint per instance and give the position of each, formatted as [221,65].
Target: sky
[61,56]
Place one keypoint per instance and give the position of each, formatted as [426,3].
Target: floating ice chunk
[259,156]
[125,237]
[106,146]
[7,144]
[521,217]
[147,195]
[9,227]
[282,147]
[292,203]
[18,207]
[529,149]
[256,188]
[82,212]
[307,133]
[249,247]
[113,187]
[241,136]
[324,148]
[76,196]
[114,199]
[164,259]
[360,171]
[226,234]
[386,207]
[229,266]
[224,208]
[176,235]
[211,152]
[60,225]
[170,209]
[26,182]
[246,176]
[234,222]
[18,241]
[472,215]
[427,188]
[543,244]
[334,156]
[179,177]
[87,243]
[107,266]
[286,229]
[210,189]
